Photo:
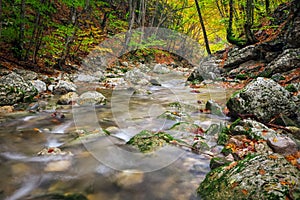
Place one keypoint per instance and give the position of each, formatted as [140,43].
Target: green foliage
[291,88]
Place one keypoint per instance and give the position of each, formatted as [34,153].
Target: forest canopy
[60,33]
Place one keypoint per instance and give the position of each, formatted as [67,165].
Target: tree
[203,28]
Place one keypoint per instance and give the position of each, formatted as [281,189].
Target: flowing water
[101,166]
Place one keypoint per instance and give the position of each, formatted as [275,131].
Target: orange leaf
[244,191]
[231,165]
[264,132]
[262,172]
[273,157]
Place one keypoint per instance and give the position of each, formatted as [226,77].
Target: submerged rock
[147,141]
[255,177]
[263,98]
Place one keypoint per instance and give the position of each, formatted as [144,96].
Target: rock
[125,64]
[263,98]
[155,82]
[238,56]
[91,98]
[58,166]
[135,76]
[50,151]
[286,61]
[64,87]
[208,69]
[6,109]
[68,98]
[267,176]
[282,145]
[161,69]
[39,85]
[14,89]
[27,75]
[214,108]
[218,162]
[255,129]
[89,78]
[129,178]
[146,141]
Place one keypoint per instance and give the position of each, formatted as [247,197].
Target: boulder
[261,176]
[89,78]
[214,108]
[64,87]
[91,98]
[238,56]
[161,69]
[207,69]
[68,98]
[263,98]
[39,85]
[283,145]
[288,60]
[136,76]
[14,89]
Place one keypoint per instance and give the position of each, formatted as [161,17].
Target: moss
[223,137]
[291,88]
[147,141]
[241,76]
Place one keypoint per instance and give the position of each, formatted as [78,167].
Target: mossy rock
[147,141]
[276,179]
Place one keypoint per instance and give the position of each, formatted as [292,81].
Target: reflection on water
[91,169]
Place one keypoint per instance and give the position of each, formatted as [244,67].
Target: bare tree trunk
[203,28]
[21,31]
[0,18]
[132,7]
[267,4]
[249,22]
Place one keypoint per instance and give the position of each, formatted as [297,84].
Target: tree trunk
[249,22]
[0,18]
[267,4]
[203,28]
[132,7]
[230,35]
[20,43]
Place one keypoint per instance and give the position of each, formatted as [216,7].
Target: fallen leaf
[273,157]
[262,172]
[244,191]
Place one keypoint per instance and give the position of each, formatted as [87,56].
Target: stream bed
[102,166]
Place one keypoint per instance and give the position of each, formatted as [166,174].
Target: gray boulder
[208,69]
[263,98]
[238,56]
[283,145]
[289,59]
[136,76]
[14,89]
[91,98]
[63,87]
[39,85]
[161,69]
